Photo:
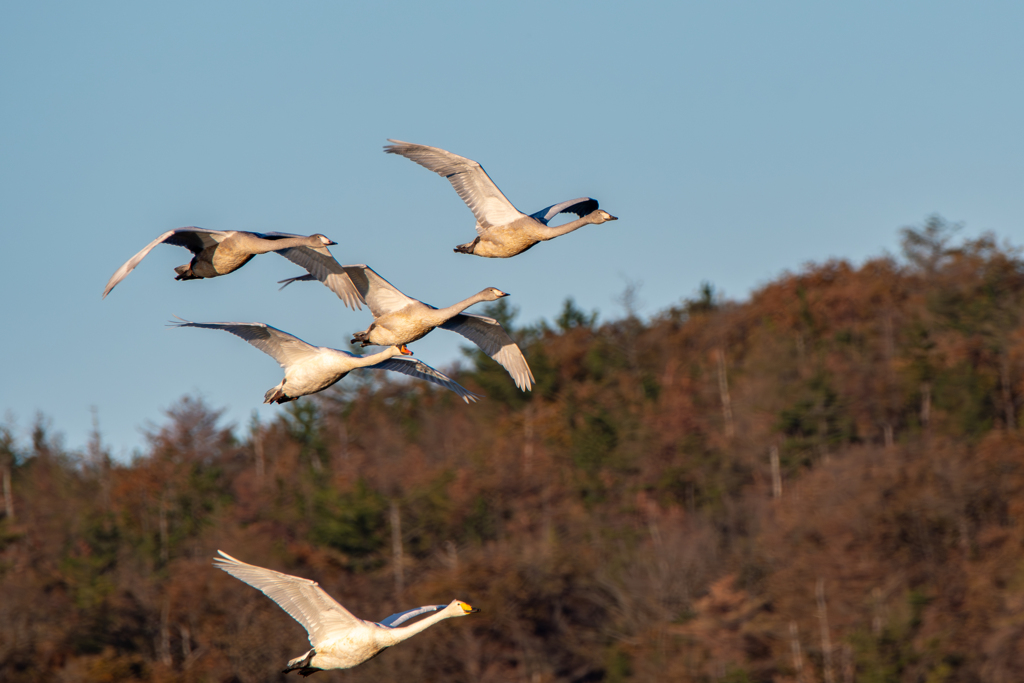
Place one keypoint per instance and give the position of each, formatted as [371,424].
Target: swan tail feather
[467,248]
[185,273]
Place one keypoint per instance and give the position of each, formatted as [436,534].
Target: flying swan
[309,369]
[219,252]
[502,230]
[399,319]
[339,639]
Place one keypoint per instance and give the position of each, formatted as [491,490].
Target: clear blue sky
[733,139]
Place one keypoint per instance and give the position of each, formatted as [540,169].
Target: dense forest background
[822,483]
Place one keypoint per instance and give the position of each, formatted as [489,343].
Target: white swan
[309,369]
[219,252]
[399,319]
[339,639]
[502,230]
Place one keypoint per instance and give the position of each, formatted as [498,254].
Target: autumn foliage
[822,483]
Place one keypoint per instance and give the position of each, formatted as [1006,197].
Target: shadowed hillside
[823,483]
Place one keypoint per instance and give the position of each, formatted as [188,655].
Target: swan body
[502,230]
[399,319]
[340,640]
[310,369]
[219,252]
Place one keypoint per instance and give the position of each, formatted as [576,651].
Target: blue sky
[734,140]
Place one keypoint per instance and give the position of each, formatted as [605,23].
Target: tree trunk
[315,462]
[164,648]
[186,644]
[773,456]
[798,658]
[826,640]
[926,403]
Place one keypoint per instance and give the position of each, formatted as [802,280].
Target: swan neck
[262,246]
[567,227]
[403,632]
[374,358]
[459,307]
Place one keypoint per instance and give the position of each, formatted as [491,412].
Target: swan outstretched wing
[402,617]
[307,603]
[283,347]
[321,265]
[580,206]
[192,238]
[380,295]
[420,370]
[469,179]
[491,337]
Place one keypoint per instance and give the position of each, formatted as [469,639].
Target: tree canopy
[821,482]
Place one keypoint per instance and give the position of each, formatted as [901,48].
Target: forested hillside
[822,483]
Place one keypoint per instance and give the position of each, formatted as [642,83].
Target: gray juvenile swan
[399,319]
[309,369]
[502,230]
[219,252]
[339,639]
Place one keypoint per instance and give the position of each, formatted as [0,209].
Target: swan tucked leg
[276,394]
[302,664]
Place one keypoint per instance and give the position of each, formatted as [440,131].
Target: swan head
[493,293]
[461,609]
[404,350]
[323,240]
[602,216]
